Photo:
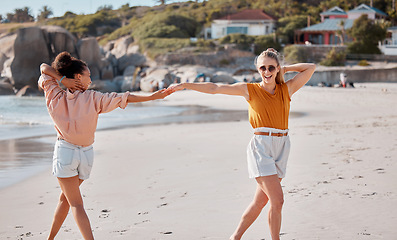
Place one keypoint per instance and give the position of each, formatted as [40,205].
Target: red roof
[248,14]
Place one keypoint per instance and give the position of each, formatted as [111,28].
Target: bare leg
[251,213]
[61,212]
[70,187]
[271,186]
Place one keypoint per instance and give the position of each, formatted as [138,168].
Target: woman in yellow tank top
[267,152]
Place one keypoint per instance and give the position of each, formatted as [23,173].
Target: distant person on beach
[75,115]
[268,150]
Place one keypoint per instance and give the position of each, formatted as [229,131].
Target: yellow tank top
[268,110]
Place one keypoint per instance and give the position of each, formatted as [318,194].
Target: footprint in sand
[380,170]
[104,213]
[162,205]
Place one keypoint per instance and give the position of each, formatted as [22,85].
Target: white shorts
[268,155]
[70,160]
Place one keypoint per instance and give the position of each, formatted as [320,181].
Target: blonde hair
[272,53]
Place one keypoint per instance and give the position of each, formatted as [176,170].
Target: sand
[189,181]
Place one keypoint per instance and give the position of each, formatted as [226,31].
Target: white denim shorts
[268,155]
[70,160]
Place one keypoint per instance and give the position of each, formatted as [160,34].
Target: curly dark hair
[68,66]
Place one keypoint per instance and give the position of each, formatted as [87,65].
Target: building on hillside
[334,22]
[250,21]
[372,13]
[333,13]
[389,45]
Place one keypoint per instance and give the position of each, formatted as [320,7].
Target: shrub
[334,58]
[264,42]
[224,62]
[156,46]
[363,63]
[242,41]
[296,54]
[166,26]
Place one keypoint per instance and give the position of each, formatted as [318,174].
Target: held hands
[73,84]
[160,94]
[176,87]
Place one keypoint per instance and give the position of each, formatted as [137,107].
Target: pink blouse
[76,114]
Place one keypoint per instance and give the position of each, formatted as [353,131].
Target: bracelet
[60,81]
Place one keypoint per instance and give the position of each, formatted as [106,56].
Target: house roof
[329,25]
[334,11]
[367,9]
[248,14]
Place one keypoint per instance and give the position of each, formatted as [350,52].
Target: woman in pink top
[75,115]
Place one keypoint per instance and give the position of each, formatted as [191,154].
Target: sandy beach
[190,181]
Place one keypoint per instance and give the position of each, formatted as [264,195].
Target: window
[243,30]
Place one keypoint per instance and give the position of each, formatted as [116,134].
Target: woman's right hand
[72,84]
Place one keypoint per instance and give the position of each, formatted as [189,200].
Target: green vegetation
[363,63]
[83,25]
[295,54]
[156,46]
[246,42]
[366,34]
[168,27]
[334,58]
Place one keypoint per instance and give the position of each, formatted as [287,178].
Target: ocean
[25,120]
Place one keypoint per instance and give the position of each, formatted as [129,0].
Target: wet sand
[189,181]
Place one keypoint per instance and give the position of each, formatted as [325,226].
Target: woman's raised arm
[70,83]
[305,70]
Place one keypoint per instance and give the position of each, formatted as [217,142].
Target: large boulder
[157,78]
[59,39]
[6,88]
[105,86]
[119,47]
[3,58]
[7,44]
[189,73]
[129,71]
[90,52]
[30,50]
[22,52]
[107,72]
[128,60]
[223,78]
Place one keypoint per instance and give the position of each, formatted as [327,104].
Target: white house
[250,21]
[389,45]
[372,13]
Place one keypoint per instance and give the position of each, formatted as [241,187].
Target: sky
[59,7]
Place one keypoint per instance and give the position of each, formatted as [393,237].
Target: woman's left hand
[72,84]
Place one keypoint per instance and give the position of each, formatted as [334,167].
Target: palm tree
[45,12]
[162,2]
[342,32]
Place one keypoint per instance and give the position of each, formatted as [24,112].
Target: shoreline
[179,181]
[23,159]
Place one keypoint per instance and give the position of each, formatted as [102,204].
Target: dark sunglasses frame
[271,68]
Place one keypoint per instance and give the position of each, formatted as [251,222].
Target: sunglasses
[271,68]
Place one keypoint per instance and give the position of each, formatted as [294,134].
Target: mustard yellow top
[268,110]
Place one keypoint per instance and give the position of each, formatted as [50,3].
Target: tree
[366,34]
[45,12]
[20,15]
[162,2]
[288,25]
[123,14]
[105,8]
[341,33]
